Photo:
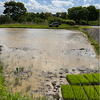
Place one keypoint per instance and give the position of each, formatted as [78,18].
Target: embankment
[94,32]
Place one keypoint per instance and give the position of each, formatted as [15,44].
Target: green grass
[95,23]
[92,40]
[40,26]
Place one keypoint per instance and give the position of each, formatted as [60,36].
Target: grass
[92,41]
[39,26]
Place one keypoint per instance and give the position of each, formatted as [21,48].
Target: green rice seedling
[97,88]
[17,69]
[21,69]
[91,93]
[67,92]
[17,82]
[28,88]
[82,79]
[91,79]
[97,76]
[73,80]
[79,93]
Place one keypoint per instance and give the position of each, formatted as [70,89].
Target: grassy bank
[40,26]
[93,42]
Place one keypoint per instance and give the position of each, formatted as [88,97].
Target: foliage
[67,92]
[93,13]
[50,20]
[62,15]
[72,79]
[38,20]
[79,93]
[78,13]
[70,22]
[47,15]
[91,92]
[97,88]
[97,76]
[92,80]
[89,13]
[22,19]
[14,9]
[82,79]
[5,19]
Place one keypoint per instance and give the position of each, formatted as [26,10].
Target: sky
[52,6]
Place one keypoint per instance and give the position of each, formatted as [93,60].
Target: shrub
[5,19]
[50,20]
[70,22]
[38,20]
[22,19]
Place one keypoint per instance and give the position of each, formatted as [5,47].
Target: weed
[28,88]
[17,81]
[21,69]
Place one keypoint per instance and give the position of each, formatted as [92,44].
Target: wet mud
[36,61]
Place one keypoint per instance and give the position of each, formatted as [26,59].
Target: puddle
[35,52]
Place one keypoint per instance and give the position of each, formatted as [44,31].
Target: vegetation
[73,80]
[82,79]
[67,92]
[92,80]
[91,92]
[97,88]
[83,13]
[79,93]
[97,76]
[5,94]
[92,40]
[85,91]
[14,9]
[85,79]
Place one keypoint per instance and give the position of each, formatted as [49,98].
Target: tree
[5,19]
[14,9]
[47,15]
[78,13]
[42,15]
[93,13]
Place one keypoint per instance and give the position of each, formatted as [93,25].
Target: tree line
[16,12]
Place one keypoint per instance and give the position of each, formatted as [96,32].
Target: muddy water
[37,51]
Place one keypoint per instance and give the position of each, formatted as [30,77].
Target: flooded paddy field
[37,60]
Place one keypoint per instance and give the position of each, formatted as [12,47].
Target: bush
[50,20]
[70,22]
[38,20]
[5,19]
[22,19]
[29,19]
